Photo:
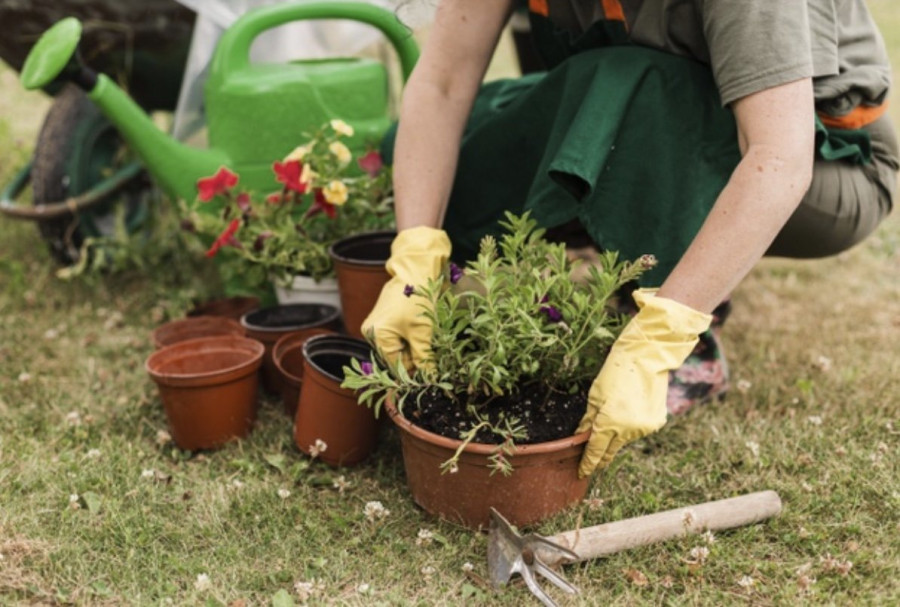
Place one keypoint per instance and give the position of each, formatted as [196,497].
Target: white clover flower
[468,567]
[24,377]
[699,554]
[363,588]
[815,420]
[306,590]
[148,473]
[163,438]
[317,447]
[823,364]
[709,537]
[424,537]
[284,494]
[746,582]
[688,518]
[840,450]
[74,501]
[427,571]
[237,484]
[202,583]
[594,503]
[806,487]
[743,386]
[341,484]
[754,447]
[375,510]
[51,334]
[74,418]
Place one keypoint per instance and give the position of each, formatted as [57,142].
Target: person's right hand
[397,324]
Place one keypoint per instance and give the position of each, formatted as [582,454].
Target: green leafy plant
[512,324]
[325,194]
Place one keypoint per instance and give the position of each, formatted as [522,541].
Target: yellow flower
[341,152]
[299,152]
[335,192]
[342,128]
[307,175]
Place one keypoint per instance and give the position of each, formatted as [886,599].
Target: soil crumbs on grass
[545,414]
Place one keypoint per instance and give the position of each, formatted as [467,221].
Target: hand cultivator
[531,554]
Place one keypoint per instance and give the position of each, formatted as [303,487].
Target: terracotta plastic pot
[331,414]
[359,262]
[270,324]
[544,480]
[208,388]
[229,307]
[191,328]
[287,354]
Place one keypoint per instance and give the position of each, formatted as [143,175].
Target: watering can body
[257,112]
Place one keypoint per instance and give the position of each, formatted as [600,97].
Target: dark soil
[545,415]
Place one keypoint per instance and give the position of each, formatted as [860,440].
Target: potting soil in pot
[545,416]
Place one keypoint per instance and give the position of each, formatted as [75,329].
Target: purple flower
[544,299]
[366,367]
[408,290]
[553,315]
[456,273]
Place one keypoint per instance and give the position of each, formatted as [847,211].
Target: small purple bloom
[366,367]
[544,299]
[408,290]
[456,273]
[553,315]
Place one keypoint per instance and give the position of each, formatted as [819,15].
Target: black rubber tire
[62,168]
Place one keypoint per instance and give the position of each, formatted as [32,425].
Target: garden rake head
[510,553]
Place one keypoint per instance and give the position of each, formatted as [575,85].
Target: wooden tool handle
[600,540]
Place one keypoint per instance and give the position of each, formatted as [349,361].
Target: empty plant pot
[270,324]
[328,414]
[287,355]
[208,388]
[191,328]
[544,479]
[229,307]
[359,262]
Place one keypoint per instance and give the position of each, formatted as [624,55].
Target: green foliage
[288,232]
[514,321]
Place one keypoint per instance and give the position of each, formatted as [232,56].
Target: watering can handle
[233,51]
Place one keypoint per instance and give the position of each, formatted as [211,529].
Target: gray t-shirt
[752,45]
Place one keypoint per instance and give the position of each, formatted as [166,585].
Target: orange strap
[613,10]
[539,7]
[856,119]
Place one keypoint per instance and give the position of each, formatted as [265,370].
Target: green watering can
[256,112]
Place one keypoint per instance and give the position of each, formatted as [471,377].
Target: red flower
[321,204]
[371,163]
[289,173]
[220,183]
[225,238]
[243,202]
[275,198]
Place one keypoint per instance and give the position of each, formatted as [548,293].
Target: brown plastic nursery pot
[359,263]
[331,414]
[191,328]
[208,388]
[229,307]
[270,324]
[544,480]
[287,354]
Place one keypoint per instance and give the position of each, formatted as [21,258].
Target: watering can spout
[176,166]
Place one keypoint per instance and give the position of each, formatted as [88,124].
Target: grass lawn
[97,507]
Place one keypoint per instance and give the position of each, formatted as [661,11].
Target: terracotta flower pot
[544,480]
[359,262]
[208,388]
[331,414]
[191,328]
[229,307]
[287,355]
[268,325]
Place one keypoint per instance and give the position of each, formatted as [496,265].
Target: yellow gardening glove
[396,323]
[627,400]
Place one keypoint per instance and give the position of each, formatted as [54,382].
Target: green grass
[78,415]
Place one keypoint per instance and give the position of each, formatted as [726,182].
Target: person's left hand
[627,400]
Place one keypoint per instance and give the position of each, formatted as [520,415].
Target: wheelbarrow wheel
[77,148]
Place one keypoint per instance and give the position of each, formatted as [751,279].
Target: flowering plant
[324,196]
[515,345]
